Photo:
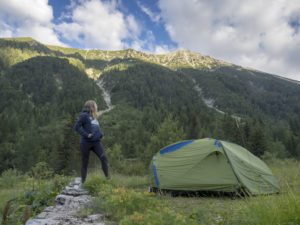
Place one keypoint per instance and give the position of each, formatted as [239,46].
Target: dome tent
[210,165]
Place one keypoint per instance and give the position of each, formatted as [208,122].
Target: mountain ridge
[181,58]
[204,71]
[153,100]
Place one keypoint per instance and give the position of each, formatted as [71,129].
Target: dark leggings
[97,148]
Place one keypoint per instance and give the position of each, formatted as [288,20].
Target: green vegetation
[128,206]
[124,200]
[158,99]
[22,196]
[44,87]
[39,102]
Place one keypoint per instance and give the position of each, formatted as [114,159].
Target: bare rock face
[66,208]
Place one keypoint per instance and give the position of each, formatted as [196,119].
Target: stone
[67,205]
[77,180]
[49,209]
[42,215]
[94,218]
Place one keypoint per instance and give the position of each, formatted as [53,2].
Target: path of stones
[66,208]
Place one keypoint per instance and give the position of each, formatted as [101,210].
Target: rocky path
[67,207]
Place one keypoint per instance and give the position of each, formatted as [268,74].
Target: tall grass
[281,209]
[127,206]
[272,210]
[22,196]
[278,209]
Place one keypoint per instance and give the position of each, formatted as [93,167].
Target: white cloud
[155,17]
[251,33]
[5,30]
[97,24]
[162,49]
[149,45]
[28,18]
[86,23]
[133,26]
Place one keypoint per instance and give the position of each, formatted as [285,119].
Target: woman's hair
[91,107]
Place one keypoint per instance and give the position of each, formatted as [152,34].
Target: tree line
[155,106]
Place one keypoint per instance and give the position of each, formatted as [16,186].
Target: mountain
[152,101]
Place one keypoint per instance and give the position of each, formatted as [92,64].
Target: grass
[11,186]
[10,193]
[125,201]
[279,209]
[22,197]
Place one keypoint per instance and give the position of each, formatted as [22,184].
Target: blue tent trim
[175,147]
[218,144]
[155,176]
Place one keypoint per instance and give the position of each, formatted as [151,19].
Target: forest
[43,89]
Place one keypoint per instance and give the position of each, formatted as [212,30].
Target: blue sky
[151,26]
[263,35]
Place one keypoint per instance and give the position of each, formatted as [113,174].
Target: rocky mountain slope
[193,93]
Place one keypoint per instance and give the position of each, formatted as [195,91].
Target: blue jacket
[86,125]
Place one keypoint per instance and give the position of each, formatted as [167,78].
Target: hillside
[157,100]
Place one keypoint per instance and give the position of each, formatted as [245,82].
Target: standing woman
[88,127]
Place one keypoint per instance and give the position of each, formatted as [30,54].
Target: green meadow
[125,200]
[23,196]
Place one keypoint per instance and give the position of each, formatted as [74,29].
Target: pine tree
[168,132]
[258,141]
[68,157]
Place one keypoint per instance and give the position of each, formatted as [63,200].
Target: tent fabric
[174,147]
[210,165]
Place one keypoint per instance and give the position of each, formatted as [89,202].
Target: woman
[88,127]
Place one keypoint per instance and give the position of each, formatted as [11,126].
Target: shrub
[133,167]
[28,203]
[98,186]
[118,202]
[124,202]
[41,171]
[9,178]
[119,164]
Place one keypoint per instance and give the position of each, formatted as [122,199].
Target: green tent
[210,165]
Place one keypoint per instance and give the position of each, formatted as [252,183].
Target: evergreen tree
[292,146]
[68,156]
[258,141]
[168,132]
[232,130]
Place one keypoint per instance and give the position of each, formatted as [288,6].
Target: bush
[98,186]
[128,206]
[133,167]
[29,203]
[9,178]
[41,171]
[119,164]
[124,202]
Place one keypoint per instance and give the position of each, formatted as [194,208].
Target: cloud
[83,23]
[148,44]
[259,34]
[155,17]
[5,30]
[162,49]
[97,24]
[28,18]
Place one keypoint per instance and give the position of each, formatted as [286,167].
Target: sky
[258,34]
